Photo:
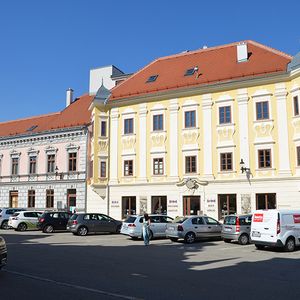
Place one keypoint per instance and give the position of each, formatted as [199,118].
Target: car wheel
[190,238]
[22,227]
[290,245]
[243,239]
[5,225]
[174,239]
[259,247]
[48,229]
[82,231]
[226,240]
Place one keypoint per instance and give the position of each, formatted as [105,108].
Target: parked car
[5,213]
[133,226]
[84,223]
[191,228]
[3,252]
[276,228]
[53,220]
[24,220]
[237,228]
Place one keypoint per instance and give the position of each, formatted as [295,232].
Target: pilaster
[207,136]
[283,141]
[114,146]
[174,107]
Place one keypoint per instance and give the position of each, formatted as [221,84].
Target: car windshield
[179,220]
[130,220]
[230,220]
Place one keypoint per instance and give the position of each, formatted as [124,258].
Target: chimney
[242,52]
[69,97]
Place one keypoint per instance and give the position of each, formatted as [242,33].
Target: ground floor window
[191,205]
[227,205]
[31,198]
[159,204]
[49,198]
[265,201]
[71,198]
[13,199]
[128,206]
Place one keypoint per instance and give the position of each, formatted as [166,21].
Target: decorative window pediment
[51,150]
[71,148]
[33,152]
[15,154]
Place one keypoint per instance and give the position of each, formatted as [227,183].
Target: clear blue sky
[48,46]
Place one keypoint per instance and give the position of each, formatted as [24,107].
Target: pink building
[43,159]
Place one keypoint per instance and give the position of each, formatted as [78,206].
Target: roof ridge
[199,50]
[32,117]
[279,52]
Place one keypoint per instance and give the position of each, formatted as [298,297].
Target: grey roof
[295,63]
[103,93]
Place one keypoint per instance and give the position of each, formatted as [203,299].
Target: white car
[24,220]
[5,213]
[276,228]
[133,226]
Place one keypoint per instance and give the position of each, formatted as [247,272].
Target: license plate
[226,229]
[256,234]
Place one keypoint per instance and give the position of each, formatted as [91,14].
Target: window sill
[128,134]
[190,128]
[225,125]
[264,169]
[263,121]
[227,172]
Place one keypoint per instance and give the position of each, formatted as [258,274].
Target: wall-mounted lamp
[243,168]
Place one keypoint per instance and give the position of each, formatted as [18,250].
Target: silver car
[191,228]
[237,228]
[133,226]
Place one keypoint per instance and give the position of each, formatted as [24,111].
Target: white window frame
[128,114]
[264,146]
[190,105]
[190,153]
[262,96]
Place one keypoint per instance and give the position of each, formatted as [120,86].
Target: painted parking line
[70,285]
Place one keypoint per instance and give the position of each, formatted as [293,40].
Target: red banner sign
[258,217]
[296,218]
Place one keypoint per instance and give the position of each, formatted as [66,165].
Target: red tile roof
[216,64]
[76,114]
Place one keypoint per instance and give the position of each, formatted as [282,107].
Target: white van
[276,228]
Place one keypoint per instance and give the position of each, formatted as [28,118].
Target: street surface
[63,266]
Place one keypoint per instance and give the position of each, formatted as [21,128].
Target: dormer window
[152,78]
[190,72]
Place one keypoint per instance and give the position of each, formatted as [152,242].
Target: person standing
[146,230]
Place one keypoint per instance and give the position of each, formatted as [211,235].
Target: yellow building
[213,131]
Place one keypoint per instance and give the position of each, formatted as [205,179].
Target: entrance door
[13,199]
[191,205]
[128,206]
[227,205]
[159,204]
[71,199]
